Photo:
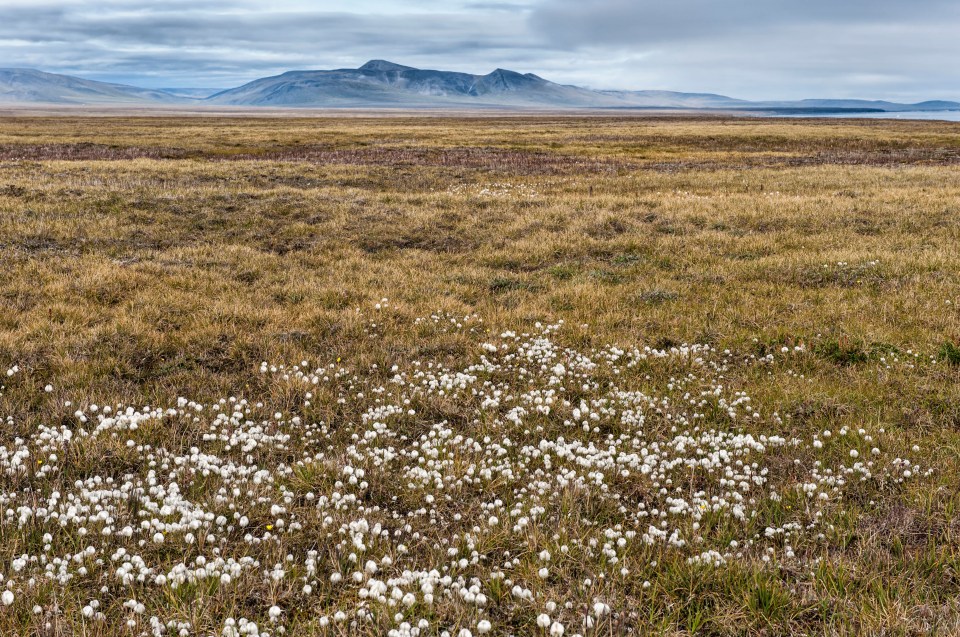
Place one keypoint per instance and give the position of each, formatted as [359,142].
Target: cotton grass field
[479,376]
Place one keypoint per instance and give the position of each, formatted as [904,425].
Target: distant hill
[383,84]
[192,93]
[30,86]
[874,105]
[673,99]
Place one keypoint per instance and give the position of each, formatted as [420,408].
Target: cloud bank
[755,49]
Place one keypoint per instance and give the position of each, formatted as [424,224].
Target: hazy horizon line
[131,80]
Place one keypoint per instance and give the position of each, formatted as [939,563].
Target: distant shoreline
[11,110]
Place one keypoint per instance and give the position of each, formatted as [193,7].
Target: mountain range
[379,83]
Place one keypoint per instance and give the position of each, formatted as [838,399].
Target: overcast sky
[754,49]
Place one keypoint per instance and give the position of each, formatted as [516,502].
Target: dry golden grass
[146,259]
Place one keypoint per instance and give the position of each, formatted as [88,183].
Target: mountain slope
[194,93]
[674,99]
[30,86]
[383,83]
[379,82]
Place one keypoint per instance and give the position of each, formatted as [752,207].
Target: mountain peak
[507,80]
[384,65]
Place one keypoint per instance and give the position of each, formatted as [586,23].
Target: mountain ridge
[19,85]
[382,83]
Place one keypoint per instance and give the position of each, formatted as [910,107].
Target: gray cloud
[768,48]
[645,22]
[747,48]
[219,45]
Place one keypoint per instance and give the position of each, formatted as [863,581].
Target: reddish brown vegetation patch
[886,158]
[516,162]
[495,159]
[85,151]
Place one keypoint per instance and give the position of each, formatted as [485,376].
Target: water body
[950,116]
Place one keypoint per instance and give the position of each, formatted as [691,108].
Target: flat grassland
[505,375]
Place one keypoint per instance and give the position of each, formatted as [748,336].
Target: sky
[752,49]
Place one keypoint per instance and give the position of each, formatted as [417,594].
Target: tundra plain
[479,375]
